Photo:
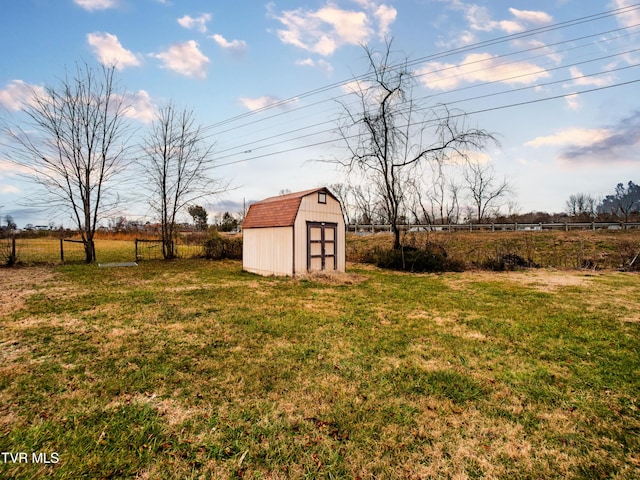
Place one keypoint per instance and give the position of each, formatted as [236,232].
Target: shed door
[321,246]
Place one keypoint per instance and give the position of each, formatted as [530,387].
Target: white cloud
[479,18]
[8,168]
[258,103]
[386,16]
[324,30]
[573,101]
[631,17]
[236,47]
[265,101]
[531,16]
[92,5]
[185,59]
[580,137]
[141,107]
[356,86]
[592,81]
[9,189]
[321,64]
[195,23]
[18,94]
[478,67]
[110,51]
[602,146]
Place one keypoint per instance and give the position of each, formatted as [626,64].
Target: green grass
[195,369]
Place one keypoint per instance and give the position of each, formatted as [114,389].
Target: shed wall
[312,211]
[268,251]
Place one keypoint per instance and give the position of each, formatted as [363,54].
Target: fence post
[136,259]
[62,250]
[14,258]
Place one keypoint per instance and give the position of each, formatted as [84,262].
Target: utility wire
[485,110]
[491,42]
[244,147]
[336,98]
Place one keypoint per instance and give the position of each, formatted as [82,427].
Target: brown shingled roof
[279,211]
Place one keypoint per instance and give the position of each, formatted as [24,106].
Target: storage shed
[294,233]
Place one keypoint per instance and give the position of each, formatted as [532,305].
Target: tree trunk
[396,237]
[89,250]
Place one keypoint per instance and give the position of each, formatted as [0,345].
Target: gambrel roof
[279,211]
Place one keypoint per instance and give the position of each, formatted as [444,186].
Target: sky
[556,81]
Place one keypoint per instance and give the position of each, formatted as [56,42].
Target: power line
[485,110]
[335,98]
[245,146]
[464,49]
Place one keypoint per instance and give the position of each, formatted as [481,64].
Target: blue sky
[516,66]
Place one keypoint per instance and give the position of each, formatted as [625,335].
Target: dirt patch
[333,278]
[543,280]
[18,284]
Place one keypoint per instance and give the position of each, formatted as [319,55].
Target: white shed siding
[268,251]
[312,211]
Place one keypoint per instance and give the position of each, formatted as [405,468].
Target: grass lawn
[195,369]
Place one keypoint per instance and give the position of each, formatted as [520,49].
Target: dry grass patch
[18,284]
[333,278]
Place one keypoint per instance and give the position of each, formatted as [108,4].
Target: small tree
[11,224]
[177,162]
[486,191]
[581,206]
[73,143]
[200,216]
[229,223]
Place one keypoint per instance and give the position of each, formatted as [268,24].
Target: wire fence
[40,250]
[43,250]
[151,249]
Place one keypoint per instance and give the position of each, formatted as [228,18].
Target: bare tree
[581,206]
[486,191]
[177,163]
[390,136]
[73,143]
[342,191]
[367,208]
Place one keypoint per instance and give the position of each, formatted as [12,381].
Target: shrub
[507,261]
[431,258]
[217,247]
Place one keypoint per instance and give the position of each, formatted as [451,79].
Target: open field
[580,249]
[195,369]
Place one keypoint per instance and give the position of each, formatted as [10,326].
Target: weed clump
[430,258]
[507,262]
[217,247]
